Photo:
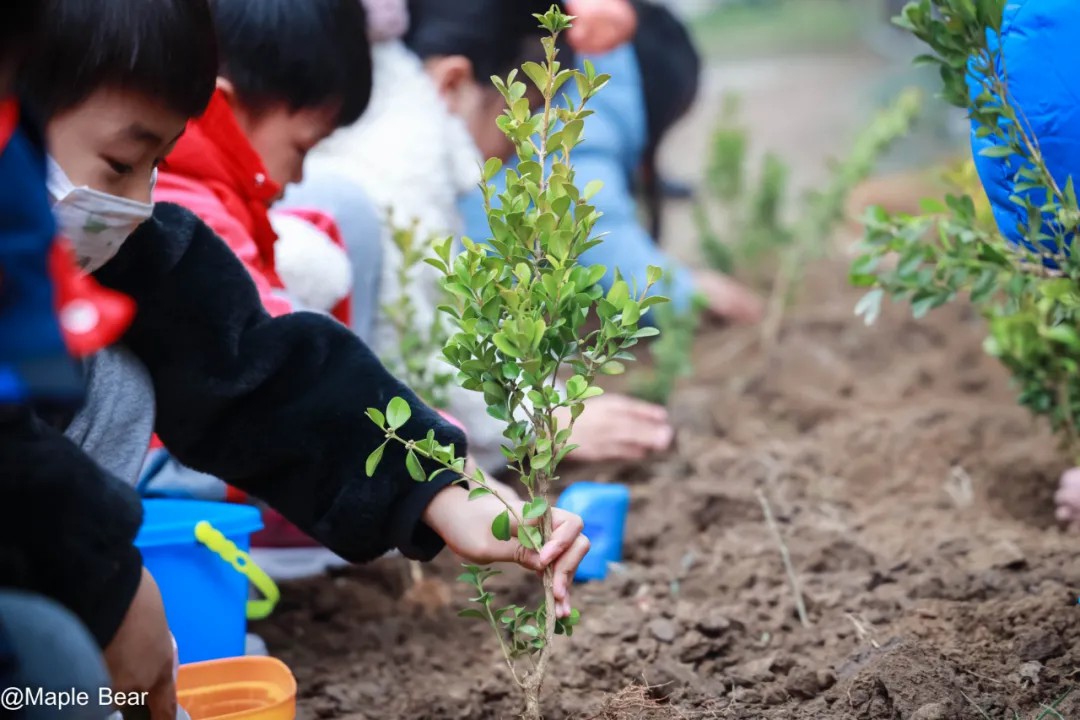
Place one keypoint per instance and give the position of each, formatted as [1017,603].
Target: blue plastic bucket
[603,507]
[203,574]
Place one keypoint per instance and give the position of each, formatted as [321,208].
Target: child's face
[480,117]
[283,137]
[112,141]
[478,105]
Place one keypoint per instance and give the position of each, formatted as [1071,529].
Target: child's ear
[452,75]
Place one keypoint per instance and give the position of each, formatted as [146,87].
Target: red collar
[9,120]
[215,148]
[215,151]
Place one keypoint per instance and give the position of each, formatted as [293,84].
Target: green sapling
[520,307]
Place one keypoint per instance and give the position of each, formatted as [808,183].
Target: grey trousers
[361,229]
[42,645]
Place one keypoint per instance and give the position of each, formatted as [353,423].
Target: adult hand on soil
[1068,498]
[140,656]
[727,299]
[600,25]
[465,525]
[617,427]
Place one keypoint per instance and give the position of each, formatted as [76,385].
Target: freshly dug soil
[915,498]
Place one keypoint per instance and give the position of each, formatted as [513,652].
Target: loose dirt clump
[913,496]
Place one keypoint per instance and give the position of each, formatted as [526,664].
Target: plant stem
[789,568]
[502,646]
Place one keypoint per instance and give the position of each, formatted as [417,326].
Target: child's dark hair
[495,35]
[164,49]
[305,53]
[20,22]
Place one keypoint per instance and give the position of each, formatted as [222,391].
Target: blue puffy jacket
[34,361]
[614,141]
[1040,51]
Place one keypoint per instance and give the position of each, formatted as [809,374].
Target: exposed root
[630,703]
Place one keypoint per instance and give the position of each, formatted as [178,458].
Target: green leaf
[377,417]
[645,332]
[575,386]
[653,274]
[492,168]
[412,464]
[472,613]
[500,526]
[653,300]
[398,413]
[478,493]
[613,367]
[619,293]
[373,460]
[536,73]
[505,346]
[591,392]
[530,537]
[530,630]
[591,188]
[997,151]
[919,308]
[535,508]
[869,307]
[1065,335]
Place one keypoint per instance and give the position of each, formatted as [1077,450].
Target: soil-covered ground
[914,496]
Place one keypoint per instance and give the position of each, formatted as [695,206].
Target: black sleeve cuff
[412,536]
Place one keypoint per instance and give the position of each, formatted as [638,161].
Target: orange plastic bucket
[245,688]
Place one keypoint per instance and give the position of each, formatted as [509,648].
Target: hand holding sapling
[455,518]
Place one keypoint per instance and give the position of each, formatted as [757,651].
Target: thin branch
[789,568]
[478,477]
[502,644]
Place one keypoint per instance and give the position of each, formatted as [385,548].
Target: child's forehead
[130,115]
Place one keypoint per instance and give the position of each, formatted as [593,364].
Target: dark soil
[915,498]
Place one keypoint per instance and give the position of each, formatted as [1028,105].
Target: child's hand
[140,656]
[601,25]
[727,299]
[1067,499]
[617,427]
[466,527]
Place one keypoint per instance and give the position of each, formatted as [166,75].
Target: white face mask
[96,223]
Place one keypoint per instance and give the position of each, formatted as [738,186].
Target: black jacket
[273,406]
[66,526]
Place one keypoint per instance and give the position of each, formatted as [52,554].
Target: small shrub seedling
[753,228]
[418,345]
[756,233]
[520,302]
[756,238]
[824,210]
[1028,293]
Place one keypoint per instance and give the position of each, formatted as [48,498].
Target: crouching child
[274,406]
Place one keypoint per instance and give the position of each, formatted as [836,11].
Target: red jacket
[216,173]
